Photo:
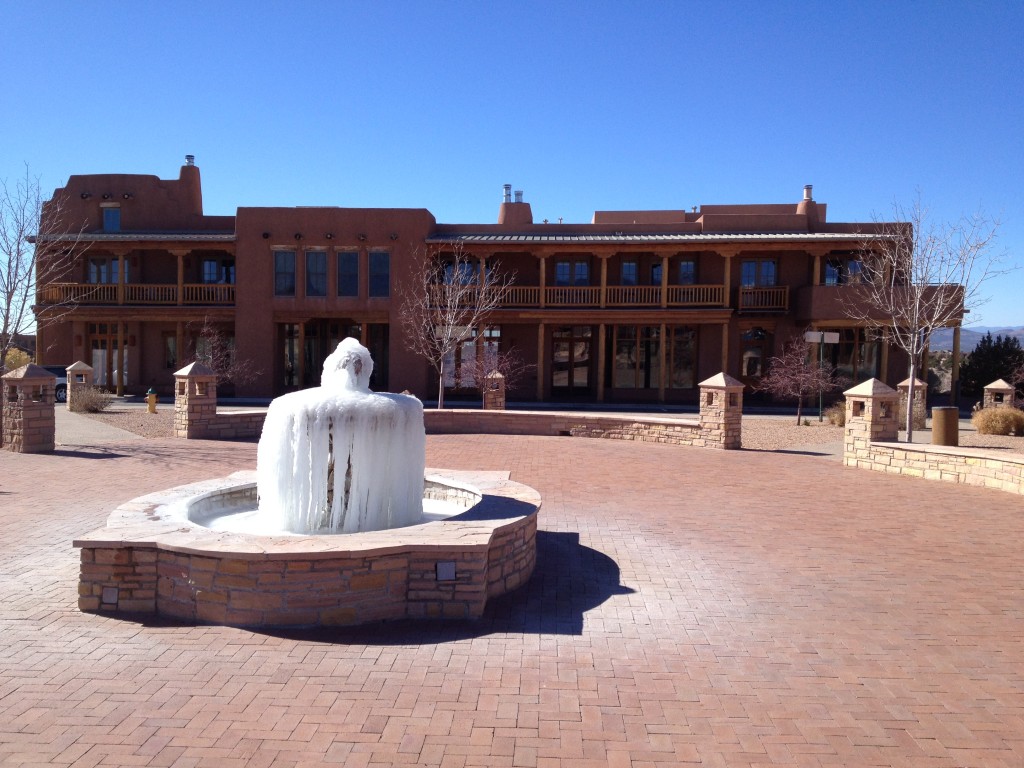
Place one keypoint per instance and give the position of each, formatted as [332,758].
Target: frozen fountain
[339,458]
[329,530]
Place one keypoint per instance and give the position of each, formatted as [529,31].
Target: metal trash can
[946,425]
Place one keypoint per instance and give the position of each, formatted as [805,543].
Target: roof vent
[519,195]
[807,192]
[507,188]
[190,159]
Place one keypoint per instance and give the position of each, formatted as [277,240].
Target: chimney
[807,192]
[809,208]
[190,159]
[516,214]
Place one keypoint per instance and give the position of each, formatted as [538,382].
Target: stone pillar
[29,421]
[871,415]
[998,394]
[920,402]
[494,392]
[721,412]
[195,401]
[79,379]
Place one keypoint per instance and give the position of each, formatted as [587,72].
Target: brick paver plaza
[689,607]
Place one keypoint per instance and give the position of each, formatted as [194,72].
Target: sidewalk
[76,429]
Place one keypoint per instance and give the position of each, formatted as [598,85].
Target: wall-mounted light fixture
[298,235]
[106,195]
[266,235]
[86,195]
[362,238]
[394,235]
[329,235]
[127,195]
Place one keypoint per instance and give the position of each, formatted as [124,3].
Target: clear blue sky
[585,106]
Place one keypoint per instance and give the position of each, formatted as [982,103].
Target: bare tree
[917,276]
[446,303]
[34,250]
[216,350]
[794,375]
[509,363]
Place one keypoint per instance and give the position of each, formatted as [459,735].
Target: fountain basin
[152,558]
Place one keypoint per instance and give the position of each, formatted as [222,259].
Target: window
[842,271]
[759,273]
[656,274]
[460,273]
[284,273]
[316,273]
[103,270]
[170,351]
[211,273]
[572,273]
[687,272]
[380,274]
[111,218]
[348,273]
[637,357]
[628,273]
[755,346]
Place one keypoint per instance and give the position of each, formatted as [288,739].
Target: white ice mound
[339,458]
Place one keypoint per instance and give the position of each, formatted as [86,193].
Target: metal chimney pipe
[190,159]
[507,188]
[807,192]
[519,195]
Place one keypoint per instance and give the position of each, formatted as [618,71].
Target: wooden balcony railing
[572,296]
[773,299]
[634,295]
[145,294]
[696,295]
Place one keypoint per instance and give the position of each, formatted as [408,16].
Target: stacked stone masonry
[28,423]
[144,564]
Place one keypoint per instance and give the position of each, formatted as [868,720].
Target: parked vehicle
[61,390]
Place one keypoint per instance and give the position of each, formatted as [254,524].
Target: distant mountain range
[942,339]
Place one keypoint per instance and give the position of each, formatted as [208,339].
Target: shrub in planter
[90,400]
[998,421]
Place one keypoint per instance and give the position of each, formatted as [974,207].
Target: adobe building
[636,306]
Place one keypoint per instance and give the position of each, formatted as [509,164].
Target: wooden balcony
[137,294]
[616,296]
[769,299]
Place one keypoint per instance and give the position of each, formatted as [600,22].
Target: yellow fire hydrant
[151,400]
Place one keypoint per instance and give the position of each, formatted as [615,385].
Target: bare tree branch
[216,350]
[917,276]
[447,302]
[37,248]
[793,375]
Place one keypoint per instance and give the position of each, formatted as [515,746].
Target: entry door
[570,361]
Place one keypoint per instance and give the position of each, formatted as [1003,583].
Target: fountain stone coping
[161,520]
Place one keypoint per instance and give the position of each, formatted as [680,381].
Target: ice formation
[339,458]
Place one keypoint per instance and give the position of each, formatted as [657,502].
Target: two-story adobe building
[635,306]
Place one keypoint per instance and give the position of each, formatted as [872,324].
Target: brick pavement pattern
[689,606]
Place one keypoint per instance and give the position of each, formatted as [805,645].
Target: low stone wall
[967,466]
[228,425]
[151,559]
[558,423]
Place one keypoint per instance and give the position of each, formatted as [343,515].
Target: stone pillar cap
[998,384]
[722,381]
[870,388]
[78,366]
[29,372]
[917,383]
[195,369]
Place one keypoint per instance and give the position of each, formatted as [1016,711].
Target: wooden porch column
[120,351]
[543,281]
[664,282]
[121,263]
[181,276]
[727,282]
[816,277]
[661,362]
[302,354]
[884,365]
[601,362]
[540,359]
[604,281]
